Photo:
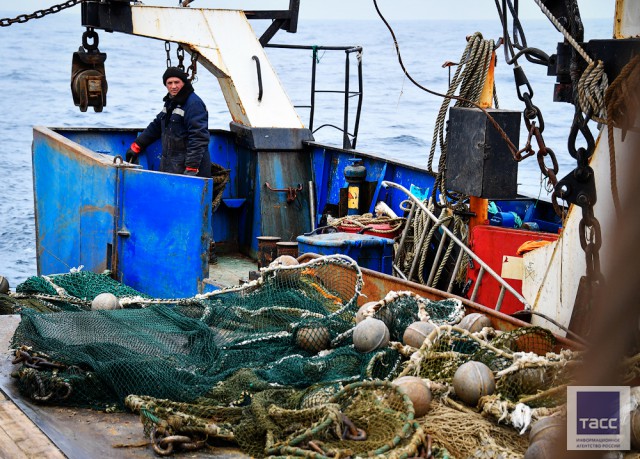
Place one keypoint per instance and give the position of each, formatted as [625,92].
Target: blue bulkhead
[153,230]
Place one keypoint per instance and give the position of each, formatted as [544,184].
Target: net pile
[530,378]
[271,365]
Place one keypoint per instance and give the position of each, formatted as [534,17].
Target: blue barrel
[504,219]
[370,252]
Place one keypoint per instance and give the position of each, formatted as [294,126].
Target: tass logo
[598,417]
[598,413]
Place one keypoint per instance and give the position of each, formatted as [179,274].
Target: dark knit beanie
[174,72]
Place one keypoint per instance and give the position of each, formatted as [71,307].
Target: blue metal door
[163,232]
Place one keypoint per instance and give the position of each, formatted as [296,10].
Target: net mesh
[271,365]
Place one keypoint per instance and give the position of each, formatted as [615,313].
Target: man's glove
[192,171]
[132,153]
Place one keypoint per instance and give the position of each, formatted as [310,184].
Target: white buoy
[283,260]
[105,302]
[474,322]
[313,339]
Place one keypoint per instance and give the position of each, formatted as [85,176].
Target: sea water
[397,118]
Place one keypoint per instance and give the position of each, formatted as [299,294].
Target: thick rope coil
[361,222]
[470,77]
[622,105]
[445,217]
[458,227]
[591,89]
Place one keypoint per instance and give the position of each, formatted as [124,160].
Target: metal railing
[484,267]
[348,138]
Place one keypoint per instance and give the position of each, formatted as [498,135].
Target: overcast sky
[363,9]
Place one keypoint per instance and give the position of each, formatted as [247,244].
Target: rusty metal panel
[283,213]
[627,19]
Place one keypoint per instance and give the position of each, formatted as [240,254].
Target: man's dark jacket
[183,127]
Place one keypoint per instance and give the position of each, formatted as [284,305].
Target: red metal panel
[494,244]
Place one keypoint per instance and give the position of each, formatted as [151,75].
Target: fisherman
[183,127]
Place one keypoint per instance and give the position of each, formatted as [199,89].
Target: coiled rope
[470,77]
[364,221]
[444,217]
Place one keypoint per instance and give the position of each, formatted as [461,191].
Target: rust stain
[617,23]
[112,210]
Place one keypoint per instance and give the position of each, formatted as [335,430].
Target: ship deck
[28,430]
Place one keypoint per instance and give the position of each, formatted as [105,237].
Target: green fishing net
[269,366]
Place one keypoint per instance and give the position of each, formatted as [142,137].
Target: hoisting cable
[532,115]
[579,186]
[533,55]
[476,57]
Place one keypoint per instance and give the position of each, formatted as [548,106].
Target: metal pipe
[434,266]
[346,143]
[500,298]
[312,204]
[313,87]
[455,271]
[400,273]
[478,282]
[255,58]
[407,225]
[460,243]
[360,96]
[323,48]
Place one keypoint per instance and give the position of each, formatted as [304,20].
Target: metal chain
[193,68]
[579,188]
[167,48]
[591,242]
[180,54]
[531,114]
[6,22]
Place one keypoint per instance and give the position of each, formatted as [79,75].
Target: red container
[377,229]
[498,247]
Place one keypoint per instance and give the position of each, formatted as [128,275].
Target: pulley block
[88,77]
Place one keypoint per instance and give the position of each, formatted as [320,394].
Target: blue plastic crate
[371,252]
